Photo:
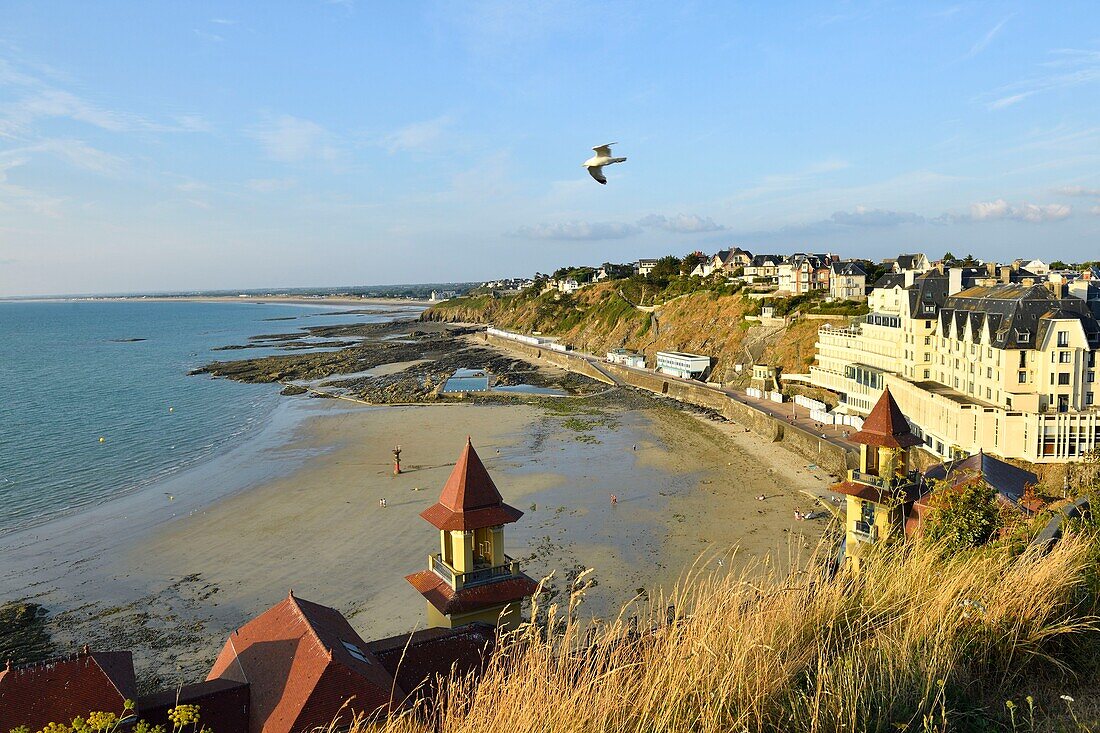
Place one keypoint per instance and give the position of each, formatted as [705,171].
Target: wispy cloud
[778,182]
[14,196]
[1068,67]
[681,223]
[208,36]
[290,139]
[981,44]
[417,136]
[223,21]
[268,185]
[578,231]
[40,100]
[78,154]
[1078,191]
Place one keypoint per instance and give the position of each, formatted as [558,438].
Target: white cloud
[290,139]
[578,231]
[681,223]
[1033,213]
[417,136]
[1095,210]
[208,36]
[223,21]
[13,196]
[1008,101]
[862,216]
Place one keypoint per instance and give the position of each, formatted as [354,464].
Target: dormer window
[355,651]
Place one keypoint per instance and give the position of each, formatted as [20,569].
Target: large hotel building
[992,358]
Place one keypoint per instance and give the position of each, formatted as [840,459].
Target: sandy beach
[686,486]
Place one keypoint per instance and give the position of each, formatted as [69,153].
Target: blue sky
[168,145]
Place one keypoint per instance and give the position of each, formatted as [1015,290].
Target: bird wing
[596,171]
[604,151]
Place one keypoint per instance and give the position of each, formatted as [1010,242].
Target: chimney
[909,274]
[954,280]
[991,268]
[1057,288]
[1006,273]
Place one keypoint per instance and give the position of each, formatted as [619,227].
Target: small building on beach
[683,365]
[626,357]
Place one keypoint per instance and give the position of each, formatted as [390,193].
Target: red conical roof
[886,426]
[470,499]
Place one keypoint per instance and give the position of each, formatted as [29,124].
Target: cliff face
[598,318]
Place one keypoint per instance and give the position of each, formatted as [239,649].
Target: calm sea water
[68,378]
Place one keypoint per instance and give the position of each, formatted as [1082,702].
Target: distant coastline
[264,299]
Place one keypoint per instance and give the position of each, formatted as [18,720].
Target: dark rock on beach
[24,636]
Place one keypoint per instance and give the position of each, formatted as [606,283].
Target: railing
[865,532]
[478,576]
[895,482]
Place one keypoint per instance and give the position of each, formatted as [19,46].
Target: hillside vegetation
[605,316]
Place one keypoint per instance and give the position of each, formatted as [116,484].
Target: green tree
[949,258]
[690,261]
[666,267]
[963,515]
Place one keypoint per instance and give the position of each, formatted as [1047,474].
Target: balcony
[477,576]
[887,484]
[864,532]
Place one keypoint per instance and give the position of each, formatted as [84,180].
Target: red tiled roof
[474,598]
[470,499]
[59,690]
[886,426]
[299,671]
[869,492]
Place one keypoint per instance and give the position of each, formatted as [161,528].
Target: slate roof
[296,658]
[891,280]
[929,291]
[470,499]
[886,426]
[848,269]
[223,705]
[1007,480]
[59,690]
[1017,316]
[767,260]
[908,262]
[421,660]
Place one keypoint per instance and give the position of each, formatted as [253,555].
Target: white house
[644,267]
[847,281]
[680,364]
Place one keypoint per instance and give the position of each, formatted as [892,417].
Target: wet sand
[685,486]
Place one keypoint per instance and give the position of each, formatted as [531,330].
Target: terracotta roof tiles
[886,426]
[470,499]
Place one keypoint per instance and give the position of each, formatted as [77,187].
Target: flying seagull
[602,157]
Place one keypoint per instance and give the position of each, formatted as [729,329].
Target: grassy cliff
[602,317]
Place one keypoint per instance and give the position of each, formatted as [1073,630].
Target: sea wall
[829,456]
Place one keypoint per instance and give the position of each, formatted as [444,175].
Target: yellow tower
[471,579]
[883,489]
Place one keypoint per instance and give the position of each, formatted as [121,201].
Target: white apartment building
[986,359]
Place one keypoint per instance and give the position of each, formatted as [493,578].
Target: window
[1023,358]
[1063,338]
[1023,377]
[989,372]
[927,340]
[355,651]
[1065,357]
[1090,377]
[1088,398]
[1063,378]
[926,373]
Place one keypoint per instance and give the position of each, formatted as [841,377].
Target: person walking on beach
[614,500]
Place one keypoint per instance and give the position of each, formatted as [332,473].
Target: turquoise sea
[70,376]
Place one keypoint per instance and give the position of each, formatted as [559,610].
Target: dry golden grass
[915,642]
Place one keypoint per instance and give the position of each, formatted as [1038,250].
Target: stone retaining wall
[830,457]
